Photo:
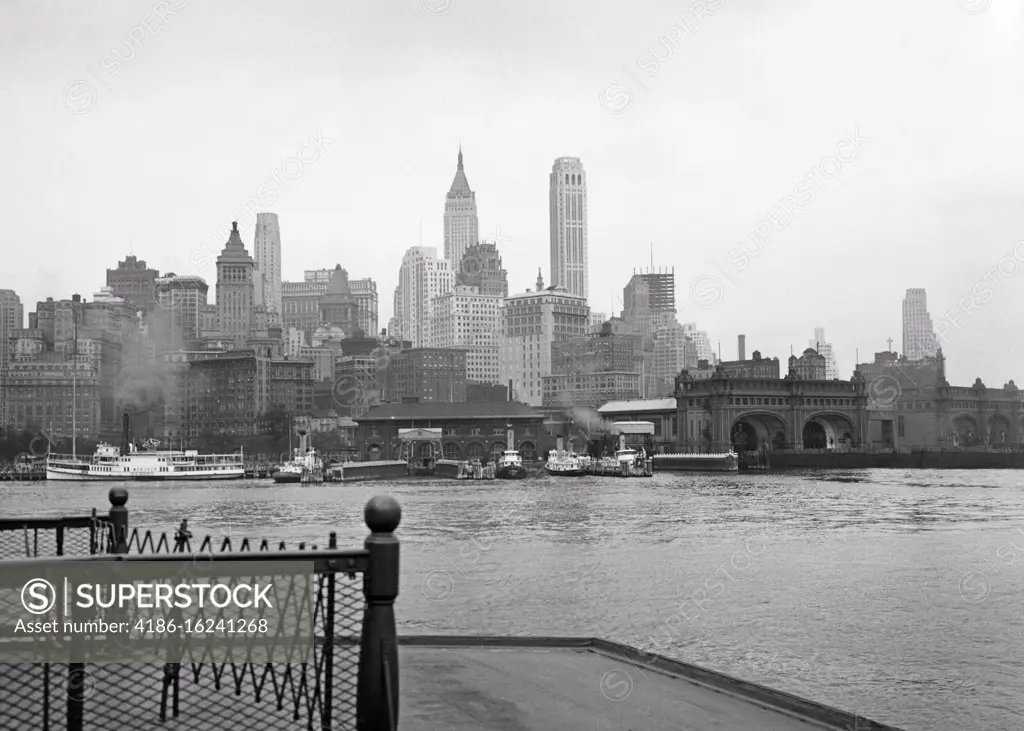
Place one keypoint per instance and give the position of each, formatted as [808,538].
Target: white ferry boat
[109,463]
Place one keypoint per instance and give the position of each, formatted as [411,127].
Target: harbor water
[895,594]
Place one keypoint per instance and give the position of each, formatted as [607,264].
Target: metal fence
[350,681]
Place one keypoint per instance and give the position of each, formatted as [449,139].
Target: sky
[132,126]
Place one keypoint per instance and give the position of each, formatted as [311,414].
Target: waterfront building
[427,374]
[825,348]
[180,300]
[919,339]
[267,258]
[231,392]
[467,319]
[469,431]
[481,268]
[461,224]
[133,281]
[567,207]
[662,412]
[235,289]
[530,323]
[421,279]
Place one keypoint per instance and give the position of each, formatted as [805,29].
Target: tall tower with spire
[235,289]
[461,224]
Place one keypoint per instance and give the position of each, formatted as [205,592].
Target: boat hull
[695,463]
[287,477]
[83,476]
[565,472]
[510,472]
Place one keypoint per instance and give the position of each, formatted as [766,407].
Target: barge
[388,469]
[696,462]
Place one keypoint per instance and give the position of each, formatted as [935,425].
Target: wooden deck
[538,684]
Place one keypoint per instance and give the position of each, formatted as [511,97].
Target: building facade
[530,323]
[469,431]
[467,319]
[461,224]
[338,307]
[481,268]
[421,279]
[819,344]
[266,252]
[12,319]
[919,339]
[180,300]
[133,281]
[235,289]
[568,217]
[427,374]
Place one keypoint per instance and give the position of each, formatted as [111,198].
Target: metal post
[118,497]
[377,699]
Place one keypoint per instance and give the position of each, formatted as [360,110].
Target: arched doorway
[998,430]
[814,436]
[496,449]
[744,437]
[476,450]
[755,430]
[452,451]
[528,451]
[965,429]
[373,452]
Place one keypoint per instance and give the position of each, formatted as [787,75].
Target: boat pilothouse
[128,463]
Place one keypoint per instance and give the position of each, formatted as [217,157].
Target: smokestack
[743,347]
[125,427]
[510,396]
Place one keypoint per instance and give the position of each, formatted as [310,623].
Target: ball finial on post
[118,497]
[382,514]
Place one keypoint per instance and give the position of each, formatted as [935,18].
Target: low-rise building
[469,431]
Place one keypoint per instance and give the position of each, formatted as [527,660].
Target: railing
[350,680]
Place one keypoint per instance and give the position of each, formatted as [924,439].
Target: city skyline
[664,169]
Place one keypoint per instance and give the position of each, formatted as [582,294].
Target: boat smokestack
[126,421]
[743,347]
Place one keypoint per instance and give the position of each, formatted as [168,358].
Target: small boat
[566,464]
[304,466]
[510,466]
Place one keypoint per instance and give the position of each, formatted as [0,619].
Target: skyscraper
[12,317]
[568,212]
[919,341]
[235,289]
[825,349]
[461,225]
[267,255]
[422,278]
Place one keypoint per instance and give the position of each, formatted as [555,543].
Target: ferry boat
[566,464]
[510,466]
[713,462]
[113,464]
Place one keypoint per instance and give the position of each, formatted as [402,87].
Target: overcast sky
[155,153]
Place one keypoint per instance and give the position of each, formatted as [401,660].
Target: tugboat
[565,464]
[510,466]
[304,466]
